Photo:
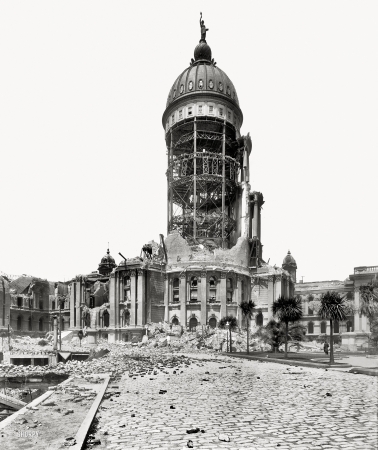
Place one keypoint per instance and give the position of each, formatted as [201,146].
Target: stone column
[357,319]
[77,304]
[202,291]
[72,304]
[305,306]
[278,287]
[141,298]
[223,295]
[112,299]
[147,294]
[270,296]
[166,298]
[238,299]
[183,300]
[133,298]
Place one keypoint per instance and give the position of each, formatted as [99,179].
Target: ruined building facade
[208,263]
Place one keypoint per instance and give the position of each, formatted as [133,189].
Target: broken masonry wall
[155,297]
[181,253]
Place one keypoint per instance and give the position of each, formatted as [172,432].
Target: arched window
[91,301]
[212,290]
[310,328]
[19,323]
[127,288]
[40,304]
[53,304]
[259,319]
[40,324]
[193,289]
[213,322]
[176,290]
[193,322]
[30,324]
[175,321]
[310,311]
[242,291]
[349,326]
[230,290]
[323,327]
[19,302]
[106,318]
[336,327]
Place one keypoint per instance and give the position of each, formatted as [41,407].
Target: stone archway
[175,321]
[259,319]
[193,323]
[213,322]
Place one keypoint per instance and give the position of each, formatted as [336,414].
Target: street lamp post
[227,325]
[9,344]
[230,340]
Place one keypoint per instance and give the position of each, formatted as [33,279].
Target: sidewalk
[351,364]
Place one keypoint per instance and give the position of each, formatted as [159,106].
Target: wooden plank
[84,427]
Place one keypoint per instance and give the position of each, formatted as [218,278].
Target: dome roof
[202,76]
[289,260]
[107,264]
[108,259]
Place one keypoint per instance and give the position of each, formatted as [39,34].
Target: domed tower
[290,265]
[107,264]
[207,157]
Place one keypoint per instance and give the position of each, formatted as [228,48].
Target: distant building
[353,332]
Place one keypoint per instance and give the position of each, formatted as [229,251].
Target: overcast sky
[84,84]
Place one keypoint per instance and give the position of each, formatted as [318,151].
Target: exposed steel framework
[202,175]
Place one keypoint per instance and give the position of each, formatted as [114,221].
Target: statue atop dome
[203,29]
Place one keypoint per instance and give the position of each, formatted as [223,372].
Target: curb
[288,362]
[362,371]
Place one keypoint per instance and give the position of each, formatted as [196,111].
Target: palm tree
[247,309]
[288,310]
[369,299]
[230,323]
[274,333]
[332,307]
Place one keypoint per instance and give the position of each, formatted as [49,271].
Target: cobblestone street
[257,405]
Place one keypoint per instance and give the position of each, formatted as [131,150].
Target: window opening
[230,290]
[193,289]
[176,290]
[212,290]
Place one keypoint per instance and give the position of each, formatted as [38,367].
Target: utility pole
[55,332]
[9,345]
[60,324]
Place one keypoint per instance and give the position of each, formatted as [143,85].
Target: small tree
[288,310]
[247,309]
[332,307]
[232,324]
[274,333]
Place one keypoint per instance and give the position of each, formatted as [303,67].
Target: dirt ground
[48,427]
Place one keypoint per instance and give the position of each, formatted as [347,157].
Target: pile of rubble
[158,348]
